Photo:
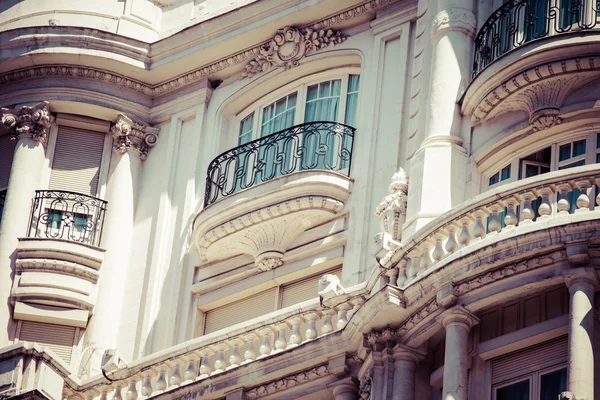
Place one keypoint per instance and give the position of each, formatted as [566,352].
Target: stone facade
[294,199]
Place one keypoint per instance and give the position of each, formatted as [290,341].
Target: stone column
[441,161]
[29,125]
[457,321]
[405,364]
[582,285]
[131,142]
[345,391]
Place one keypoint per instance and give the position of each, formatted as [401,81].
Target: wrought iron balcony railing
[520,21]
[65,215]
[310,146]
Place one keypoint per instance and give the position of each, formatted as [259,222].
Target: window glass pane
[578,148]
[2,198]
[598,140]
[531,170]
[505,173]
[494,179]
[544,170]
[323,101]
[352,100]
[553,384]
[564,152]
[516,391]
[279,115]
[246,129]
[598,158]
[575,164]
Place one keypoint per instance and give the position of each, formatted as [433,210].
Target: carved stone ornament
[364,387]
[287,382]
[32,122]
[289,46]
[454,19]
[391,212]
[129,135]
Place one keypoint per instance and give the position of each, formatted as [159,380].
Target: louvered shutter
[529,360]
[58,338]
[77,158]
[7,151]
[305,289]
[240,311]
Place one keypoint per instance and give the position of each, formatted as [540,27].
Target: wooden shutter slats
[305,289]
[240,311]
[58,338]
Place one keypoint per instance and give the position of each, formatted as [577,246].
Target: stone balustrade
[222,351]
[507,208]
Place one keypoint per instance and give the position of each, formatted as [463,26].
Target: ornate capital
[454,19]
[32,122]
[289,46]
[129,135]
[391,212]
[458,315]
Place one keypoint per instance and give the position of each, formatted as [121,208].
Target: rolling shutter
[305,289]
[77,158]
[529,360]
[240,311]
[7,151]
[58,338]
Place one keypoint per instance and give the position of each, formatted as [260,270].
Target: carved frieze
[289,46]
[287,382]
[129,135]
[32,122]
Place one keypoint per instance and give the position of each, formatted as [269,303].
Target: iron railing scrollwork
[314,145]
[66,215]
[518,22]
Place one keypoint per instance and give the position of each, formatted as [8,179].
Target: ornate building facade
[299,199]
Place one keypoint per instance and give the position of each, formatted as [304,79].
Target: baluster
[527,213]
[494,225]
[220,363]
[191,373]
[175,378]
[451,243]
[563,204]
[296,336]
[235,358]
[147,382]
[117,395]
[205,369]
[161,382]
[249,353]
[265,348]
[327,325]
[583,201]
[311,326]
[342,315]
[281,342]
[392,275]
[425,261]
[438,251]
[104,394]
[597,181]
[464,237]
[412,266]
[401,273]
[545,209]
[131,393]
[510,219]
[478,228]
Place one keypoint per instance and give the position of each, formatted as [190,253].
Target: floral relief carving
[129,135]
[32,122]
[287,382]
[391,212]
[289,46]
[364,387]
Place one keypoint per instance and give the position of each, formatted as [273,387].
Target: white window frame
[535,381]
[300,86]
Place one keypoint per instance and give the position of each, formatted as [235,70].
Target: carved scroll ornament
[129,135]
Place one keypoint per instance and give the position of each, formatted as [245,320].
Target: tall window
[543,385]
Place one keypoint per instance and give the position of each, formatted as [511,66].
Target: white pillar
[457,321]
[345,391]
[582,288]
[405,364]
[130,147]
[441,161]
[30,126]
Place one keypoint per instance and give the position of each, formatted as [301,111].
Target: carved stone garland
[364,387]
[289,46]
[32,122]
[129,135]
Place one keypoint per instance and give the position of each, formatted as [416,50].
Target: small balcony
[58,264]
[287,182]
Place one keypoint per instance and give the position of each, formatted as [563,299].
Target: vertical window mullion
[341,117]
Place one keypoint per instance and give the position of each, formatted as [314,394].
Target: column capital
[581,276]
[458,315]
[345,388]
[454,19]
[133,136]
[28,122]
[405,353]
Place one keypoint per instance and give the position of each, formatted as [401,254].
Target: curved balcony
[527,48]
[315,145]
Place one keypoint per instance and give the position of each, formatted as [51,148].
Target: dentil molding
[32,122]
[133,136]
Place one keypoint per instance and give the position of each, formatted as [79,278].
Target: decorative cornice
[454,19]
[288,47]
[129,135]
[287,382]
[188,78]
[32,122]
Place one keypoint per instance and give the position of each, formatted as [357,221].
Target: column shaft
[581,328]
[404,379]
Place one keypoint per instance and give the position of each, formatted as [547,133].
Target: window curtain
[351,114]
[277,156]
